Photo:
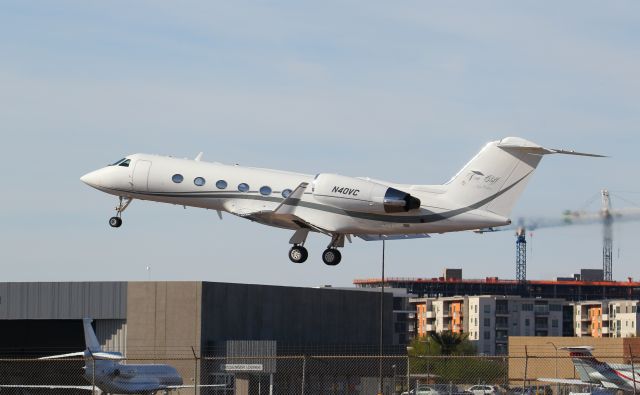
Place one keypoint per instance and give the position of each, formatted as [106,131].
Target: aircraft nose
[92,179]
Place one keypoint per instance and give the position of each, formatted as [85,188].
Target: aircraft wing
[283,215]
[51,387]
[393,237]
[564,381]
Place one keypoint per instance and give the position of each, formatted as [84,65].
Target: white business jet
[110,376]
[481,195]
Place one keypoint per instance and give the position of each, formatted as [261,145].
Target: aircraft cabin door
[141,176]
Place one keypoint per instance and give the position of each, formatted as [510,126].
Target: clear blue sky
[405,91]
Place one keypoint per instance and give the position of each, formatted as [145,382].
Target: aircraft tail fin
[496,177]
[90,336]
[584,361]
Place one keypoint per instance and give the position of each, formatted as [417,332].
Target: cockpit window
[125,163]
[118,162]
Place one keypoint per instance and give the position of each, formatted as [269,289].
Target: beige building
[489,320]
[606,318]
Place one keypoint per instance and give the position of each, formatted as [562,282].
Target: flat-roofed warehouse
[166,320]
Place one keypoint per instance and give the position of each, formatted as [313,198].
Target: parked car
[423,390]
[482,389]
[449,389]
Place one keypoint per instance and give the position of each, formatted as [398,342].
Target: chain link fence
[310,375]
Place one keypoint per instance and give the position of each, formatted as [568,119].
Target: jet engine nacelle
[358,194]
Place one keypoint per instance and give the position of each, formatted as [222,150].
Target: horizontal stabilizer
[515,143]
[393,237]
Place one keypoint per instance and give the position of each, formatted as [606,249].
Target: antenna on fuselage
[199,156]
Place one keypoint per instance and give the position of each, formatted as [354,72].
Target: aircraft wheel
[115,222]
[298,254]
[331,256]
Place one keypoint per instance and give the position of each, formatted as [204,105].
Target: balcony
[431,314]
[605,317]
[430,328]
[605,331]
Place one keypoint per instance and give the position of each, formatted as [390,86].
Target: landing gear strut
[116,222]
[298,253]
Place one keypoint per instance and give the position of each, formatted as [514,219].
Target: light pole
[409,349]
[394,378]
[557,384]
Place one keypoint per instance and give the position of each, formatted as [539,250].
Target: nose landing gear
[116,222]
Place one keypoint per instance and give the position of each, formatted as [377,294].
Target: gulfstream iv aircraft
[110,376]
[481,195]
[613,376]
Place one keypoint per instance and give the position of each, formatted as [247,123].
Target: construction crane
[606,215]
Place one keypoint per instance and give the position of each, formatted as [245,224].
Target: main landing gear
[116,222]
[331,256]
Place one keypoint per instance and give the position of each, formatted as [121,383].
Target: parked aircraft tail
[496,177]
[584,361]
[90,338]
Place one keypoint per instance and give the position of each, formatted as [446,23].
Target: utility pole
[607,237]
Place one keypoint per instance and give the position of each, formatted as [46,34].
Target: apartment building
[489,320]
[606,318]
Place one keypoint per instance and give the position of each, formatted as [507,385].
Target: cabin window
[265,190]
[118,162]
[243,187]
[125,163]
[199,181]
[177,178]
[286,193]
[221,184]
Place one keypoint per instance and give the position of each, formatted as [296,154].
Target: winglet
[199,156]
[289,204]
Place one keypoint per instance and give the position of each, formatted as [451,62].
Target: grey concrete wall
[292,316]
[63,300]
[163,323]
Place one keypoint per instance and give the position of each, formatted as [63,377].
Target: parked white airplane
[112,377]
[481,195]
[613,376]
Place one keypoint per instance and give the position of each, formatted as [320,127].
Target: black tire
[115,222]
[331,256]
[298,254]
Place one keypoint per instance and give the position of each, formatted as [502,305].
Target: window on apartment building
[476,306]
[577,325]
[554,323]
[634,309]
[487,335]
[526,322]
[555,307]
[487,322]
[617,309]
[527,307]
[487,308]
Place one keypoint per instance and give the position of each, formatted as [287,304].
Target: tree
[448,341]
